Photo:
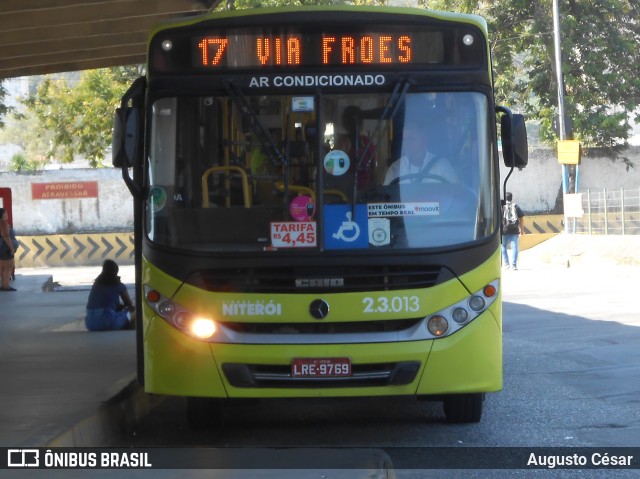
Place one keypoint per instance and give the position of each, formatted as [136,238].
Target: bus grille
[316,327]
[316,279]
[279,376]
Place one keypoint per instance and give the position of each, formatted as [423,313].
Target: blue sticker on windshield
[343,229]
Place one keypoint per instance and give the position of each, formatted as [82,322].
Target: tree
[25,131]
[4,109]
[81,116]
[242,4]
[600,58]
[19,162]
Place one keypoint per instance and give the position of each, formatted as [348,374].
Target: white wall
[536,187]
[112,210]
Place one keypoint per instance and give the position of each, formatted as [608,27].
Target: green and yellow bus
[317,207]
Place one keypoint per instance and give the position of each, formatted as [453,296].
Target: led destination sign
[229,51]
[290,48]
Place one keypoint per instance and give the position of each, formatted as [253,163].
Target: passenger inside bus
[358,147]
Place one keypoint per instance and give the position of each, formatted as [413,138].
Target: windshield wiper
[256,126]
[287,153]
[388,113]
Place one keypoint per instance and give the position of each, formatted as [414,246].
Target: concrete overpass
[50,36]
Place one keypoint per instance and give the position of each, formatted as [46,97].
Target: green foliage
[80,117]
[3,108]
[243,4]
[25,131]
[600,58]
[20,163]
[460,6]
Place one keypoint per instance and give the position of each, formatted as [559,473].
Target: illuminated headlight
[449,320]
[203,328]
[179,317]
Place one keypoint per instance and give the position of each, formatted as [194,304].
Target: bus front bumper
[470,360]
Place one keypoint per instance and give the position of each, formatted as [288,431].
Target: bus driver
[416,159]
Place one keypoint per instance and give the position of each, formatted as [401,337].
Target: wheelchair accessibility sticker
[343,229]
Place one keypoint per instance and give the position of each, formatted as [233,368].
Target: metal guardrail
[74,250]
[608,212]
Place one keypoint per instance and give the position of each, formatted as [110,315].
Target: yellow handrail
[297,189]
[309,191]
[337,193]
[246,191]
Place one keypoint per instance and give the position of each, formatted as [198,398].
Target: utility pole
[557,35]
[562,126]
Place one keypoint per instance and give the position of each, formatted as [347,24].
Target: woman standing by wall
[8,246]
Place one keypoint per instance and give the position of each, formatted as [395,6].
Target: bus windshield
[325,172]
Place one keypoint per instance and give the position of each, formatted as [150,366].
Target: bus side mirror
[127,127]
[125,137]
[515,148]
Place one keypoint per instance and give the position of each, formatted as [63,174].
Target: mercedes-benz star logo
[319,309]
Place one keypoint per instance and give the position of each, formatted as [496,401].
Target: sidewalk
[57,378]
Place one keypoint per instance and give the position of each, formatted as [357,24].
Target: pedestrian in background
[512,228]
[105,312]
[8,247]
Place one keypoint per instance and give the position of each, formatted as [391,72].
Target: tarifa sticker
[336,163]
[430,208]
[158,198]
[293,234]
[302,208]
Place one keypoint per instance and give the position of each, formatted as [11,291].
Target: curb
[114,419]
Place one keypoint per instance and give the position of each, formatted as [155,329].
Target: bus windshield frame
[358,172]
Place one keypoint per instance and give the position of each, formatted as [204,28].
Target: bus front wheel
[463,408]
[204,413]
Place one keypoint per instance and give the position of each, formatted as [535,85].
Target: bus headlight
[451,319]
[180,317]
[203,328]
[165,308]
[476,303]
[460,315]
[437,325]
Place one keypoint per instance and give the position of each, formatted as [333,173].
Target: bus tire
[463,408]
[204,413]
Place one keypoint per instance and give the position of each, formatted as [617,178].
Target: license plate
[320,367]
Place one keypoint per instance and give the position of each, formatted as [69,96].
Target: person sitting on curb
[104,310]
